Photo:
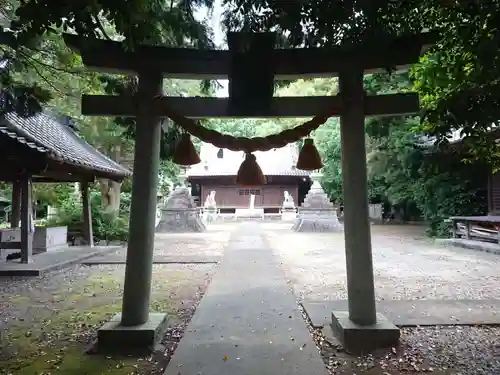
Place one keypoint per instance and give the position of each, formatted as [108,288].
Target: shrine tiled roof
[54,136]
[276,162]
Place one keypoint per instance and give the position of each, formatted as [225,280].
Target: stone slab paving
[178,259]
[415,313]
[53,260]
[488,247]
[248,322]
[407,266]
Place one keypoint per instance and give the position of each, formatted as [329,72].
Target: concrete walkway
[248,322]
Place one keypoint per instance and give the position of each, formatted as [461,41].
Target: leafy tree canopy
[458,79]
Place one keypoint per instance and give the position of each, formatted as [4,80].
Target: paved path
[248,322]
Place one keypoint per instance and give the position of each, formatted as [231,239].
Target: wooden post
[139,263]
[467,229]
[88,234]
[16,204]
[454,228]
[26,224]
[359,263]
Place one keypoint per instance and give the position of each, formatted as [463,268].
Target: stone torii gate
[251,73]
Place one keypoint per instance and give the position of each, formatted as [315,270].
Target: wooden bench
[476,227]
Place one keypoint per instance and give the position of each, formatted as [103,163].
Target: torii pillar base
[113,336]
[360,339]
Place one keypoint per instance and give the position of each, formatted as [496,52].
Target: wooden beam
[205,107]
[111,57]
[88,235]
[39,179]
[16,204]
[75,172]
[26,220]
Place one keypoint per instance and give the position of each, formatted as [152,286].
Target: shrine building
[217,172]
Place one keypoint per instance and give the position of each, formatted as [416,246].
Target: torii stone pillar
[136,327]
[361,329]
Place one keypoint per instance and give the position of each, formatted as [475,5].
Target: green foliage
[169,176]
[43,70]
[51,193]
[5,189]
[458,80]
[327,140]
[456,190]
[322,22]
[105,225]
[137,20]
[415,177]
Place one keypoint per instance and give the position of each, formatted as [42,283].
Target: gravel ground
[210,243]
[435,351]
[47,323]
[407,266]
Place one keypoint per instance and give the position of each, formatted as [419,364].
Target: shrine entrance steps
[248,322]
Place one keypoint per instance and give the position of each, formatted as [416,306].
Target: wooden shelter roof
[276,162]
[51,137]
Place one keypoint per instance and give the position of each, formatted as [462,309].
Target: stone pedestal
[317,213]
[49,239]
[180,214]
[249,214]
[288,214]
[359,339]
[8,236]
[114,336]
[209,215]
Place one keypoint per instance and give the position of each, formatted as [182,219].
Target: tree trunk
[110,196]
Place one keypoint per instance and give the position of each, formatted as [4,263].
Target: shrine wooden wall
[232,196]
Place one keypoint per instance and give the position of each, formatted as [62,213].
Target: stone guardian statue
[210,208]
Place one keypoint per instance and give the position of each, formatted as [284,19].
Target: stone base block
[288,215]
[363,339]
[113,336]
[318,225]
[180,224]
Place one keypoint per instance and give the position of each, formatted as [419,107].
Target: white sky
[215,23]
